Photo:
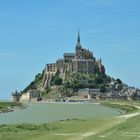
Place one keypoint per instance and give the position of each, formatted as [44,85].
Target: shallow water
[48,112]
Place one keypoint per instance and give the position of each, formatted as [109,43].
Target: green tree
[98,79]
[119,81]
[57,80]
[102,88]
[38,77]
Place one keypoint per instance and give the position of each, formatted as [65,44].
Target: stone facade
[31,95]
[88,93]
[15,96]
[51,67]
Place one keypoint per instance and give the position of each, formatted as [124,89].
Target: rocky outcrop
[6,110]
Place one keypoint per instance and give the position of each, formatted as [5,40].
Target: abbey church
[82,61]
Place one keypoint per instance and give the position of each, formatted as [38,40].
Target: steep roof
[69,54]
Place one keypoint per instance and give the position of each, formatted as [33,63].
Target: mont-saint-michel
[60,83]
[78,76]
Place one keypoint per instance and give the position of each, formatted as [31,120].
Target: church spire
[78,44]
[78,40]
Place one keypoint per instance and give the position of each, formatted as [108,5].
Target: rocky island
[78,76]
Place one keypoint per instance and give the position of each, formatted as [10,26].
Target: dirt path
[77,136]
[129,115]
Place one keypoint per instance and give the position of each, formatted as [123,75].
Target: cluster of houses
[86,94]
[114,91]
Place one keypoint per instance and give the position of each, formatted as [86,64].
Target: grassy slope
[76,128]
[106,129]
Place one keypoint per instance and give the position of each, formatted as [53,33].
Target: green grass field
[116,128]
[67,129]
[128,130]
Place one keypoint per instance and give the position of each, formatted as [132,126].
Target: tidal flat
[93,128]
[50,112]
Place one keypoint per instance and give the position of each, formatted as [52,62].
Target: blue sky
[36,32]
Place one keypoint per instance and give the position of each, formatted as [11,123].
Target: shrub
[57,80]
[119,81]
[102,88]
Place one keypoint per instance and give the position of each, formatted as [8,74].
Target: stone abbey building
[82,61]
